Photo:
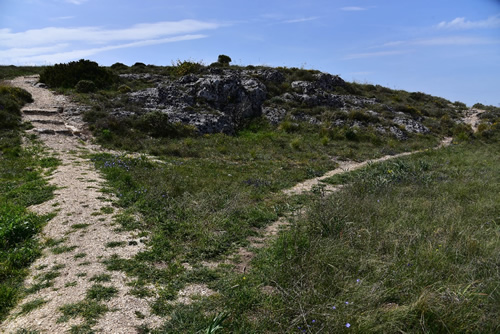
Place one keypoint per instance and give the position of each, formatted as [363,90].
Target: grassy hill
[410,245]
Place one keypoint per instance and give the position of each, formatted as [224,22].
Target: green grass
[99,292]
[410,244]
[21,185]
[101,278]
[11,71]
[30,306]
[113,244]
[62,249]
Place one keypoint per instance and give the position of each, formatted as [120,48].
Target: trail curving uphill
[80,234]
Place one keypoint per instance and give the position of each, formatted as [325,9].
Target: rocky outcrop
[216,102]
[220,99]
[411,125]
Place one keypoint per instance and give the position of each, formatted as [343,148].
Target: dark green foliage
[11,100]
[85,86]
[68,75]
[139,64]
[224,60]
[119,66]
[157,124]
[100,292]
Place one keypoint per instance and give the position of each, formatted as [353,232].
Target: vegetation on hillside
[410,245]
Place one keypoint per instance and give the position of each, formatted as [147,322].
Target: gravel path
[82,231]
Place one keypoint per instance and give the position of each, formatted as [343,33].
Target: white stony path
[82,226]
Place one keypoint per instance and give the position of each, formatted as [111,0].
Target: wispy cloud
[54,44]
[76,2]
[304,19]
[353,9]
[62,18]
[446,41]
[99,35]
[57,57]
[375,54]
[460,23]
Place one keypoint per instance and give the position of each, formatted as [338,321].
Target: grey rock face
[398,133]
[411,125]
[223,99]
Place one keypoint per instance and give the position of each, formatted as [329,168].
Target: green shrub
[362,116]
[68,75]
[351,134]
[11,100]
[119,66]
[157,124]
[289,126]
[85,86]
[224,60]
[124,89]
[187,67]
[296,143]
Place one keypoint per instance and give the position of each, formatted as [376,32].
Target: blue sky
[449,48]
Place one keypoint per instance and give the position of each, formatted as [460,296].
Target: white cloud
[446,41]
[304,19]
[99,35]
[460,23]
[455,40]
[353,9]
[10,56]
[60,44]
[76,2]
[62,18]
[375,54]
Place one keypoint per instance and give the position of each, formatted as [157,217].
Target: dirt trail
[472,118]
[83,230]
[244,255]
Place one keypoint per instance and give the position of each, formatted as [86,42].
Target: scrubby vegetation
[70,74]
[21,185]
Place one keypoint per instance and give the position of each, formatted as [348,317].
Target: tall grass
[409,246]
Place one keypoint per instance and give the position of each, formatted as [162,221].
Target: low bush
[85,86]
[68,75]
